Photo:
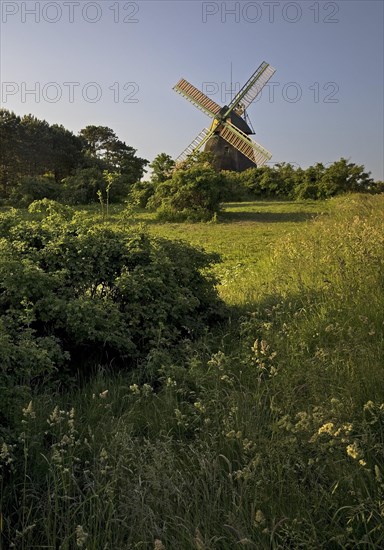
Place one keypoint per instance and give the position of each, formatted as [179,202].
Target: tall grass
[267,434]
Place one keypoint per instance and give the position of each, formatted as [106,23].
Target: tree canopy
[38,159]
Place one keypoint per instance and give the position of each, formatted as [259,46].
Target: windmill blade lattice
[200,100]
[196,144]
[250,148]
[251,88]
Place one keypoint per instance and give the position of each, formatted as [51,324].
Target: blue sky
[123,58]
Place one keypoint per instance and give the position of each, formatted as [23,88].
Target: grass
[267,433]
[244,237]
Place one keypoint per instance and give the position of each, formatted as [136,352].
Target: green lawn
[244,236]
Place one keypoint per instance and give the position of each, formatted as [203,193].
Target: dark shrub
[74,294]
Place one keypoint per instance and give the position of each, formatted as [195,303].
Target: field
[265,432]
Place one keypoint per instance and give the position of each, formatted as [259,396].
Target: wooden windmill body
[228,136]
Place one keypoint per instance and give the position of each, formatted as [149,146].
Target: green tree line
[194,191]
[39,160]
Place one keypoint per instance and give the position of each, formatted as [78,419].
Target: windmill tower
[228,136]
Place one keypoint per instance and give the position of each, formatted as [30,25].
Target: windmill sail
[252,150]
[196,144]
[200,100]
[251,88]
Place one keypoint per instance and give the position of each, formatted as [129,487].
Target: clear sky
[114,63]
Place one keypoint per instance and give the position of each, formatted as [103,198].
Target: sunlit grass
[267,433]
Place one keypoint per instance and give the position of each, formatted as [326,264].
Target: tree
[66,152]
[9,150]
[162,167]
[270,181]
[343,176]
[103,147]
[31,149]
[308,182]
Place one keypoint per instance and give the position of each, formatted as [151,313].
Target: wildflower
[5,453]
[353,450]
[347,428]
[81,536]
[147,389]
[217,360]
[259,518]
[55,417]
[327,428]
[180,417]
[56,456]
[134,388]
[28,411]
[65,440]
[103,455]
[199,406]
[71,422]
[248,445]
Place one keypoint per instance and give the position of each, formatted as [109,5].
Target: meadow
[266,431]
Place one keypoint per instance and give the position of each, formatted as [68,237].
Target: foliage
[141,192]
[104,149]
[266,433]
[285,180]
[75,294]
[36,188]
[82,186]
[192,194]
[31,148]
[162,167]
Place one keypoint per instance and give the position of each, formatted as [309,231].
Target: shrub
[35,188]
[141,192]
[192,194]
[82,187]
[74,294]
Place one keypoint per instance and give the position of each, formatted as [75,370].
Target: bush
[31,189]
[192,194]
[74,294]
[83,186]
[141,192]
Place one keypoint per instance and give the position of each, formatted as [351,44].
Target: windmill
[228,136]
